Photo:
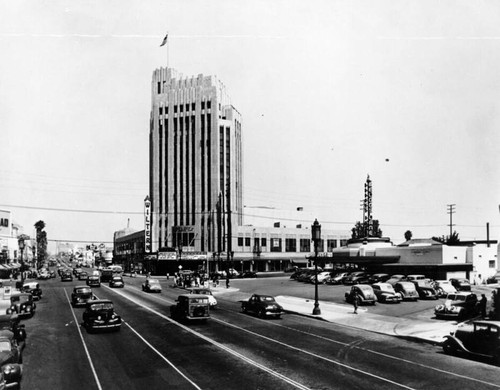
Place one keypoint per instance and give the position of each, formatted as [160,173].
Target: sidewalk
[431,331]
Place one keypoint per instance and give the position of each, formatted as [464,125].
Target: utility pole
[451,211]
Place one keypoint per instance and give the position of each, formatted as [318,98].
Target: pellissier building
[194,214]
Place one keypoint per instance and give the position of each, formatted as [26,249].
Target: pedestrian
[482,305]
[354,299]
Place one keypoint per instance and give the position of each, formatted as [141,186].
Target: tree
[448,240]
[408,235]
[41,242]
[360,230]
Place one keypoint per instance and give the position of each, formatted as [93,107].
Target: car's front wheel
[261,313]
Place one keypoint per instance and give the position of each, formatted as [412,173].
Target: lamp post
[316,237]
[20,242]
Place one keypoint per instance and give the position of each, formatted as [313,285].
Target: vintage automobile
[481,339]
[459,306]
[99,314]
[191,307]
[116,281]
[385,293]
[22,304]
[396,278]
[493,279]
[34,289]
[151,285]
[378,278]
[424,289]
[407,290]
[83,275]
[93,281]
[337,278]
[413,278]
[358,277]
[263,306]
[12,322]
[11,358]
[205,291]
[248,274]
[66,276]
[76,271]
[443,288]
[460,284]
[81,295]
[366,295]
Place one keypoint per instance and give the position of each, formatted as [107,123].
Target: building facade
[196,189]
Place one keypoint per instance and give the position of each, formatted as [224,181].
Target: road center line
[83,342]
[162,356]
[219,345]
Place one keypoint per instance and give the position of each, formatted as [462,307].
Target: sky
[407,92]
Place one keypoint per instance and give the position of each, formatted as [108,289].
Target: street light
[20,242]
[316,237]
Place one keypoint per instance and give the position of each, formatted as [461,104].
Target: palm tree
[41,242]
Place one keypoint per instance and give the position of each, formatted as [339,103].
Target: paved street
[232,350]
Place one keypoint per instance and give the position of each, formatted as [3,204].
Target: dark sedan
[116,281]
[262,306]
[81,295]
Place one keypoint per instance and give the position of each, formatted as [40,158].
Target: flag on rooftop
[164,40]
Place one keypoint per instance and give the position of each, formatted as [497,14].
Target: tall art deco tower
[195,164]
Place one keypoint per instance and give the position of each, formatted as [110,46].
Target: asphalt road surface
[231,351]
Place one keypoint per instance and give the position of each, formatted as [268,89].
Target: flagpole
[168,45]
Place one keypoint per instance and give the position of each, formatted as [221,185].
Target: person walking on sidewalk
[354,298]
[482,305]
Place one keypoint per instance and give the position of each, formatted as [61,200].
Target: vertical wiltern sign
[147,225]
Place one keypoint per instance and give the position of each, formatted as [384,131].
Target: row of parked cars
[371,288]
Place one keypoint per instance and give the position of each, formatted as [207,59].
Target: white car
[205,291]
[444,287]
[323,276]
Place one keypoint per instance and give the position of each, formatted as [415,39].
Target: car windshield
[4,346]
[154,281]
[266,299]
[102,306]
[83,290]
[198,300]
[20,298]
[117,279]
[455,297]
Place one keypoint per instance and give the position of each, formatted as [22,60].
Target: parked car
[337,278]
[396,278]
[493,278]
[43,275]
[83,275]
[66,276]
[413,278]
[117,281]
[151,285]
[100,315]
[22,304]
[424,289]
[34,289]
[81,295]
[322,276]
[459,306]
[378,278]
[205,291]
[481,339]
[443,288]
[358,277]
[94,281]
[263,306]
[366,295]
[385,293]
[407,290]
[11,359]
[460,284]
[191,307]
[12,322]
